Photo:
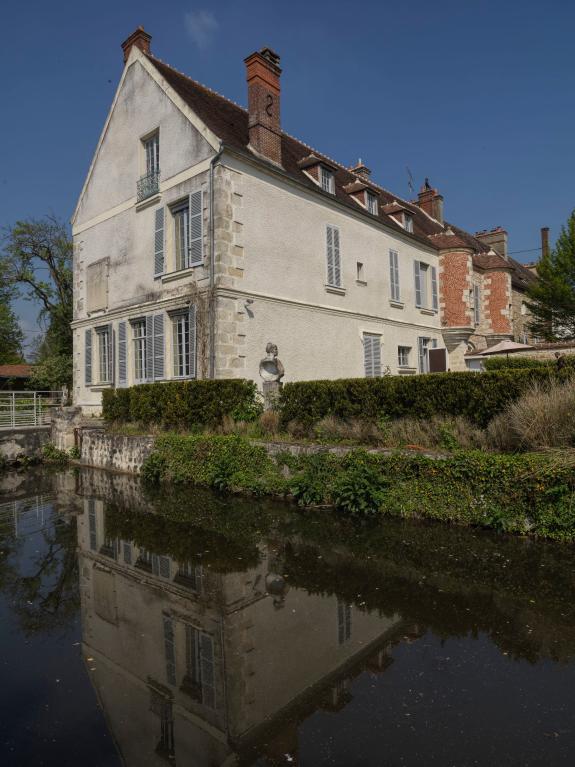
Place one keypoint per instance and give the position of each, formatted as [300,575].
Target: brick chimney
[361,169]
[496,239]
[430,201]
[140,38]
[263,76]
[544,241]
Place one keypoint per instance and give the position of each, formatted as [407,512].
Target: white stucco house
[203,232]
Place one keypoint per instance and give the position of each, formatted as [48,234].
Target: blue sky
[477,96]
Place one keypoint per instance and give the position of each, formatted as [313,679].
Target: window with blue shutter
[149,347]
[434,297]
[158,346]
[159,242]
[418,286]
[88,357]
[372,355]
[394,275]
[333,257]
[196,235]
[122,354]
[476,305]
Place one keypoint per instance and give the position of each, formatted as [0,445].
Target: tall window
[139,340]
[182,235]
[333,257]
[423,346]
[476,305]
[394,275]
[181,344]
[327,180]
[104,354]
[152,152]
[426,296]
[200,677]
[169,649]
[408,222]
[372,354]
[371,202]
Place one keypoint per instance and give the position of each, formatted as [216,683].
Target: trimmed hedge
[477,396]
[188,404]
[515,363]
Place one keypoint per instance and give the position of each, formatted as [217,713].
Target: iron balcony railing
[27,408]
[148,185]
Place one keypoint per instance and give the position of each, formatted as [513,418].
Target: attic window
[371,203]
[408,222]
[327,180]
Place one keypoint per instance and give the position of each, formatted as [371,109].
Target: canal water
[142,627]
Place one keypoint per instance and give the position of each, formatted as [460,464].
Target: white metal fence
[27,408]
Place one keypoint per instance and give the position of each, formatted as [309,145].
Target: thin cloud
[201,27]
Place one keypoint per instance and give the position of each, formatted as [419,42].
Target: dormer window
[408,222]
[327,180]
[371,203]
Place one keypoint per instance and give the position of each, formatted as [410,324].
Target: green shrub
[515,363]
[359,489]
[476,396]
[181,404]
[51,454]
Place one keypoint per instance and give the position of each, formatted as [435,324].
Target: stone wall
[26,442]
[114,451]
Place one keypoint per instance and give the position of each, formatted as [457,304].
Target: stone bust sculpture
[271,369]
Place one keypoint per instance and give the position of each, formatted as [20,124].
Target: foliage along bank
[526,494]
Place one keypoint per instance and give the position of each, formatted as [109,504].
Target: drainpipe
[212,307]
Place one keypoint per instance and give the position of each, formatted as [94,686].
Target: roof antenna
[410,184]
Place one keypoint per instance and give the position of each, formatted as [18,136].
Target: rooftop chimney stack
[496,239]
[431,201]
[140,38]
[263,76]
[361,169]
[544,241]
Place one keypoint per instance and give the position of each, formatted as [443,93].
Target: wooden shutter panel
[88,357]
[434,298]
[418,292]
[329,256]
[368,356]
[159,242]
[111,353]
[336,258]
[193,342]
[376,342]
[149,347]
[158,346]
[122,354]
[196,229]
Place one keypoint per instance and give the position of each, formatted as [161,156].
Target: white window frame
[333,251]
[394,284]
[327,179]
[426,275]
[139,345]
[408,222]
[181,345]
[403,353]
[424,343]
[104,337]
[371,202]
[181,233]
[151,146]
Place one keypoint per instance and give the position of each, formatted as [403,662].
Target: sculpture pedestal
[271,391]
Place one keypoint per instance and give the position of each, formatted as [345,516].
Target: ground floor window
[423,346]
[181,345]
[104,354]
[372,354]
[403,353]
[139,341]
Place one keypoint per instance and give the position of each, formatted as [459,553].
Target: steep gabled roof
[229,122]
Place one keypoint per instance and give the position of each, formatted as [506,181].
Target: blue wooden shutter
[372,355]
[196,243]
[111,353]
[149,347]
[88,357]
[329,256]
[158,346]
[418,291]
[434,298]
[394,275]
[336,258]
[193,342]
[159,242]
[122,354]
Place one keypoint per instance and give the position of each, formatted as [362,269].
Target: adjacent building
[204,231]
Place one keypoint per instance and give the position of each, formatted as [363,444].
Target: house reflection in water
[194,666]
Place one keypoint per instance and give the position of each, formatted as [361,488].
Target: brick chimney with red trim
[263,76]
[140,38]
[431,201]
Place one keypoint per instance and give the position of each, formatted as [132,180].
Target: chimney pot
[544,241]
[495,239]
[140,38]
[263,77]
[361,169]
[430,201]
